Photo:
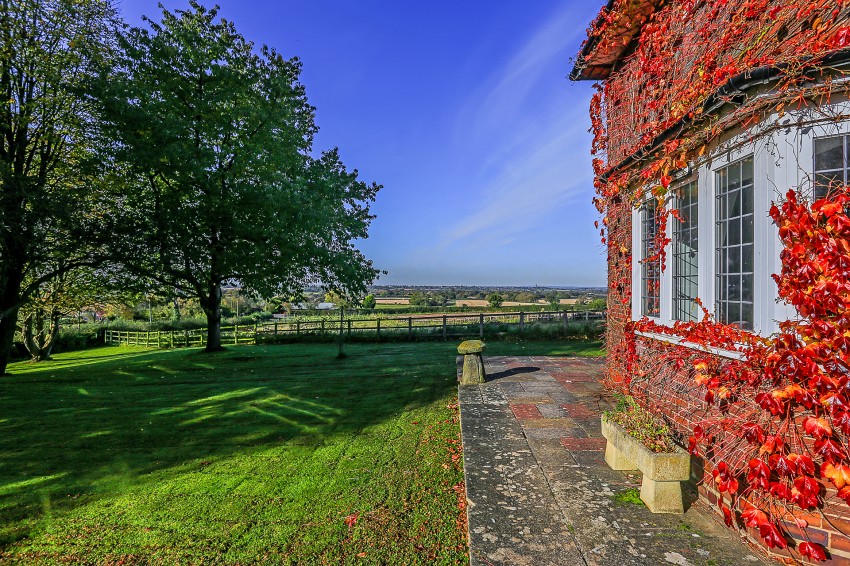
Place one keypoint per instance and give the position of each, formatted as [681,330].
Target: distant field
[485,303]
[393,301]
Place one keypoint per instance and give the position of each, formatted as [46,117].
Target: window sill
[679,341]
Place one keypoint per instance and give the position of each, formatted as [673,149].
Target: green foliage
[53,217]
[215,138]
[630,496]
[495,300]
[369,302]
[337,299]
[420,299]
[641,424]
[72,340]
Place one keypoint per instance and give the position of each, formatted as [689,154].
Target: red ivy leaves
[812,551]
[838,474]
[771,536]
[842,38]
[805,492]
[725,478]
[787,401]
[753,432]
[817,427]
[754,517]
[759,473]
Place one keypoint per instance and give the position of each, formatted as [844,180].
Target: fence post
[349,328]
[410,328]
[256,335]
[186,333]
[564,317]
[323,327]
[378,328]
[444,327]
[235,333]
[171,338]
[586,315]
[297,328]
[275,328]
[522,321]
[481,325]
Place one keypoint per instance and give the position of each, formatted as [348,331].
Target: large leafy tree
[218,137]
[51,215]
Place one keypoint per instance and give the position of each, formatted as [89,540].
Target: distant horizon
[564,287]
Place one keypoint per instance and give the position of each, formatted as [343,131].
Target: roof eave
[591,64]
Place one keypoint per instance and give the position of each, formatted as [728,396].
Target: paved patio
[538,487]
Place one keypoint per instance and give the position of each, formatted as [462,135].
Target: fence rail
[444,326]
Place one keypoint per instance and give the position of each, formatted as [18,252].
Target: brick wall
[670,392]
[619,220]
[661,81]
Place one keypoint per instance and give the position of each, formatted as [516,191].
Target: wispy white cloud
[504,95]
[530,186]
[532,140]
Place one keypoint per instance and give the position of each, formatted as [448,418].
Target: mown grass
[260,454]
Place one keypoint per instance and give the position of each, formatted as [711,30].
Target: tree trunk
[39,333]
[9,302]
[212,308]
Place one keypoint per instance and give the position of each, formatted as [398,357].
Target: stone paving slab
[538,488]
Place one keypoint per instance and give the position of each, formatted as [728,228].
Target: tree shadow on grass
[72,432]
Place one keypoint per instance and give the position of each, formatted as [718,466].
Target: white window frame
[782,159]
[674,224]
[637,270]
[718,291]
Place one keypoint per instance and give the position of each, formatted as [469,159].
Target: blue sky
[463,111]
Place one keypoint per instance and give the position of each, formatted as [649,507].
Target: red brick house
[707,112]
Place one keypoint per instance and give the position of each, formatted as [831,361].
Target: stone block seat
[473,364]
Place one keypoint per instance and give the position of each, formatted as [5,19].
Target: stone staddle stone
[473,364]
[470,347]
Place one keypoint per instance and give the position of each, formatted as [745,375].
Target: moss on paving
[630,496]
[278,454]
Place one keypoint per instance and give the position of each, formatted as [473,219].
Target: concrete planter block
[663,472]
[473,364]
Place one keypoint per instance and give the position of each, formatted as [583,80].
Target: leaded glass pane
[650,262]
[734,244]
[830,164]
[685,253]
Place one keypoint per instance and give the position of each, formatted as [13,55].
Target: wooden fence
[440,326]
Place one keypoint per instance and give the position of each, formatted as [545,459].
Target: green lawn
[278,454]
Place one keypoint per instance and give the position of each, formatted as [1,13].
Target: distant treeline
[438,296]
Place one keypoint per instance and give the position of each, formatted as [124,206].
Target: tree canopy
[52,214]
[215,138]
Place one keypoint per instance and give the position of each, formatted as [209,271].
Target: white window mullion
[706,238]
[765,287]
[666,291]
[636,259]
